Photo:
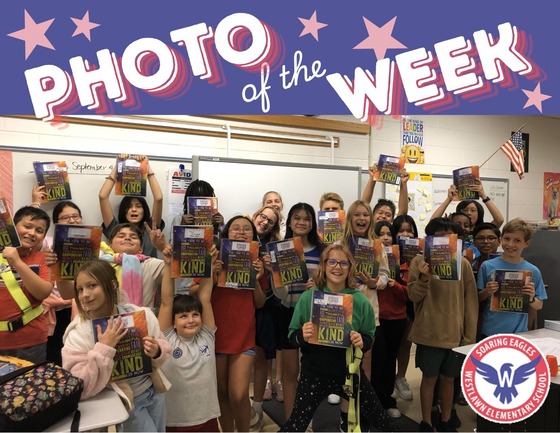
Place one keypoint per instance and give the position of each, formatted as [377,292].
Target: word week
[459,69]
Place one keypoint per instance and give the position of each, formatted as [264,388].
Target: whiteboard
[496,188]
[86,173]
[240,184]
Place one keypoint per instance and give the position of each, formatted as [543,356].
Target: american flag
[514,151]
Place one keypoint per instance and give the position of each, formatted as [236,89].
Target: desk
[547,418]
[103,410]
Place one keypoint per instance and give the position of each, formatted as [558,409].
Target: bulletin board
[435,193]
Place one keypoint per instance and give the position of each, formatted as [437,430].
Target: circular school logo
[505,378]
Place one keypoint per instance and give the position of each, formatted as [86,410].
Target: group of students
[207,341]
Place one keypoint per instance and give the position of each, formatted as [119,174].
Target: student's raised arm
[451,194]
[104,194]
[367,193]
[157,205]
[165,315]
[205,293]
[403,194]
[498,218]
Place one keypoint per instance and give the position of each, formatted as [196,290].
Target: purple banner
[306,57]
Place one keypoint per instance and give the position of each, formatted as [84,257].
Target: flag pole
[498,149]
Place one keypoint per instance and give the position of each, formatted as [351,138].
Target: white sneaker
[393,412]
[403,390]
[333,399]
[257,419]
[395,393]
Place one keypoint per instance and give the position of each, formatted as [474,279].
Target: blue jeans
[148,414]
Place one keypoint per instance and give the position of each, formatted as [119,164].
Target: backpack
[34,398]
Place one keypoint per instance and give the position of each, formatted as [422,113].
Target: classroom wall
[450,142]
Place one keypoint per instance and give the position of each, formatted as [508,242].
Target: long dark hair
[464,203]
[312,236]
[126,202]
[384,223]
[399,220]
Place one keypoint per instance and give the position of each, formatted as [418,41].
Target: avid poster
[356,57]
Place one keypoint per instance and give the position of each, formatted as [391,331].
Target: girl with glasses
[301,222]
[267,222]
[323,368]
[234,312]
[57,307]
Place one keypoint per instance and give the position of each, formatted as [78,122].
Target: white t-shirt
[193,398]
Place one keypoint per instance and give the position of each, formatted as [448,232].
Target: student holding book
[446,312]
[359,226]
[139,276]
[58,305]
[472,208]
[267,222]
[331,201]
[188,324]
[404,225]
[303,223]
[234,311]
[385,209]
[23,327]
[324,368]
[97,295]
[388,337]
[516,236]
[197,188]
[133,210]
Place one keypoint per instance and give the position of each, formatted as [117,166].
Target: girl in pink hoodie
[97,295]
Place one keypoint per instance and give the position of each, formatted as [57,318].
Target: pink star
[379,39]
[311,26]
[33,34]
[535,97]
[84,26]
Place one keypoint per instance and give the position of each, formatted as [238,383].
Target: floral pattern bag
[34,398]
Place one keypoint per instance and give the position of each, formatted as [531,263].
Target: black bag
[34,398]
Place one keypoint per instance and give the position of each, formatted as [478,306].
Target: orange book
[191,251]
[331,316]
[132,177]
[237,264]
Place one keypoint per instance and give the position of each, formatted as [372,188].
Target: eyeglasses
[343,263]
[266,218]
[241,229]
[67,218]
[486,238]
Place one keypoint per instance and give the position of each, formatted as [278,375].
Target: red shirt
[35,332]
[392,300]
[234,312]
